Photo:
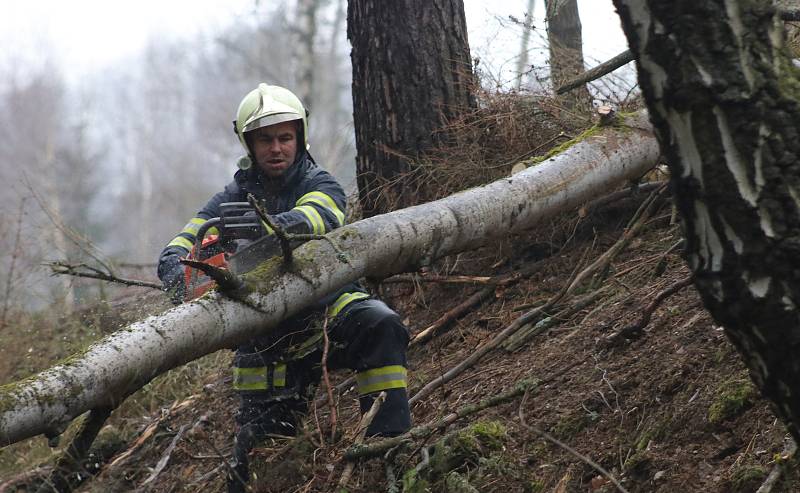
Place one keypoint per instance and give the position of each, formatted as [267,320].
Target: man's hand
[171,273]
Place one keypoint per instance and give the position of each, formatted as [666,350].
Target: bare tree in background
[42,156]
[522,60]
[566,50]
[411,75]
[725,104]
[305,31]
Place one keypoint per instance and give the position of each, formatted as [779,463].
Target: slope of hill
[607,406]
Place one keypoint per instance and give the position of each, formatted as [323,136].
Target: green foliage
[474,449]
[747,478]
[457,483]
[637,464]
[569,426]
[535,486]
[732,398]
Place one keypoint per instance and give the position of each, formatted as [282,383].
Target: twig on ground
[638,189]
[636,328]
[359,451]
[231,471]
[413,278]
[789,451]
[366,420]
[162,462]
[148,432]
[525,333]
[326,379]
[24,479]
[210,474]
[494,342]
[436,328]
[635,224]
[449,316]
[597,467]
[65,268]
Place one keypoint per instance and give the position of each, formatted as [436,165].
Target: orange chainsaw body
[197,282]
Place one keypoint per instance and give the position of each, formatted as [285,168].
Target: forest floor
[668,407]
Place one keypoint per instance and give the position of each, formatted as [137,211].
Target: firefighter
[274,374]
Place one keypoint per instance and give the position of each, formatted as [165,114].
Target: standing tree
[522,60]
[566,50]
[725,101]
[411,75]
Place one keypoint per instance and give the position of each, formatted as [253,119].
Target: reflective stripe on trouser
[258,378]
[383,378]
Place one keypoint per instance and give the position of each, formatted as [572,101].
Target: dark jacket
[305,199]
[306,195]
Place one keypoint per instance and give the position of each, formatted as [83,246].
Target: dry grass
[483,145]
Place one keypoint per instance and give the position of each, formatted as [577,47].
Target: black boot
[239,471]
[394,416]
[259,419]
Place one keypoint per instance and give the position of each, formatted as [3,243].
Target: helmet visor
[266,121]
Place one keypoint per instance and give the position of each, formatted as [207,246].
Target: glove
[171,273]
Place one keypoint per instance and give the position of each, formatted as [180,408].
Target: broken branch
[635,329]
[597,467]
[327,380]
[362,431]
[283,238]
[475,300]
[597,72]
[411,278]
[359,451]
[488,347]
[64,268]
[162,463]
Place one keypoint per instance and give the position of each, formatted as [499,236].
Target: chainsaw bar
[248,257]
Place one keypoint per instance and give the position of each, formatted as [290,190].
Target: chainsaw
[240,245]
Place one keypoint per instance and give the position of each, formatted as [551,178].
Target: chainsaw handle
[201,233]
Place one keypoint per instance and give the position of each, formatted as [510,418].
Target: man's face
[274,147]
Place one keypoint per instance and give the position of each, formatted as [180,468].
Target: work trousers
[275,375]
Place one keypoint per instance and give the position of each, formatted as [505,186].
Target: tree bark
[411,75]
[723,97]
[402,241]
[566,51]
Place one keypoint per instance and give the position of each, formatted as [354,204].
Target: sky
[89,34]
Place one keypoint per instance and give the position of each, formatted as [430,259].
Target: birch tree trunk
[522,60]
[724,102]
[401,241]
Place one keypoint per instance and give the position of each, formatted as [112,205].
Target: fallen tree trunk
[115,367]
